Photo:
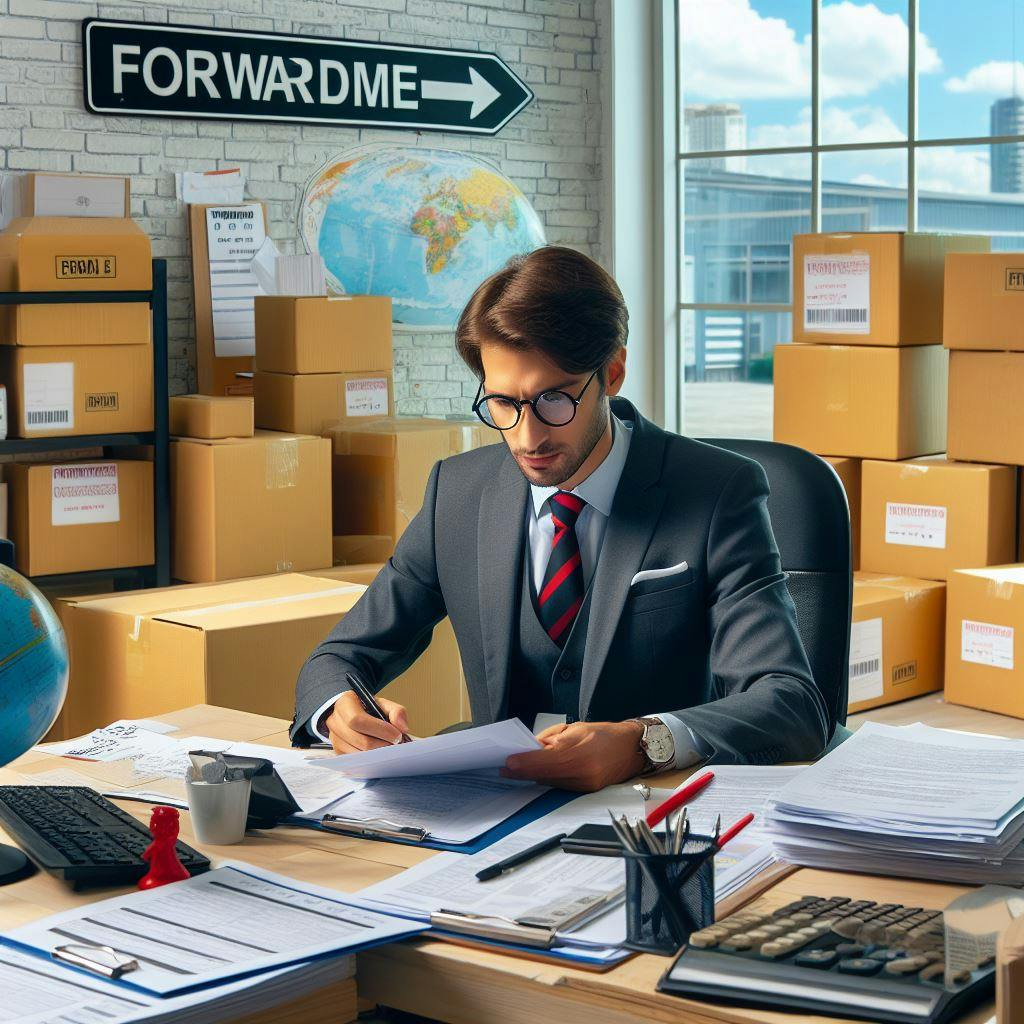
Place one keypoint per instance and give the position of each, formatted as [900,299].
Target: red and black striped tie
[562,591]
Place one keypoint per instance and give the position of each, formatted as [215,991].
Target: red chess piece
[164,865]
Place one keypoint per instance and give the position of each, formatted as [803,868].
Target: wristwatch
[657,745]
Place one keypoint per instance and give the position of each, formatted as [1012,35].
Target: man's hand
[586,756]
[351,729]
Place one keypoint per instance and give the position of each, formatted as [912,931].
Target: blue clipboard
[544,804]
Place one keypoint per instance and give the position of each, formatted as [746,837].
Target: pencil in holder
[669,896]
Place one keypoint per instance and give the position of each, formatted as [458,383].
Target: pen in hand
[370,705]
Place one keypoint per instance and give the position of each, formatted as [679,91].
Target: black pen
[519,858]
[370,705]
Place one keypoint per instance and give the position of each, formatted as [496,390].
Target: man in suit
[620,580]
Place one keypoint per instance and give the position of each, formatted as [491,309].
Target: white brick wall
[551,150]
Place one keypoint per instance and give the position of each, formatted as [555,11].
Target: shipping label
[80,268]
[837,293]
[84,493]
[918,526]
[866,679]
[48,396]
[985,643]
[366,397]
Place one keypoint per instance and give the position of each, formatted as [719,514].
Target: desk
[454,983]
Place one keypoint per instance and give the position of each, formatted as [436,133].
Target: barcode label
[864,668]
[48,396]
[46,417]
[837,292]
[837,316]
[866,682]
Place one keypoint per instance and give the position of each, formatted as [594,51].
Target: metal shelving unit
[159,573]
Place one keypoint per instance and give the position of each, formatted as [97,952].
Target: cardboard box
[52,194]
[849,472]
[380,470]
[210,416]
[986,415]
[250,506]
[41,262]
[984,301]
[357,549]
[896,639]
[308,403]
[433,688]
[237,645]
[68,254]
[872,288]
[928,517]
[323,334]
[984,634]
[872,403]
[79,389]
[77,516]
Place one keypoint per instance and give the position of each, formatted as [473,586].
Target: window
[826,115]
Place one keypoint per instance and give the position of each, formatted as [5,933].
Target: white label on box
[866,680]
[366,397]
[48,396]
[3,412]
[918,526]
[837,293]
[83,492]
[985,643]
[69,195]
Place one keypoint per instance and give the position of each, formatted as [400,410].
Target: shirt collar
[599,488]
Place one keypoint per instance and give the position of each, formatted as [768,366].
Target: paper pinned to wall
[234,235]
[227,186]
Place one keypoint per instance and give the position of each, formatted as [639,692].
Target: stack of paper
[911,800]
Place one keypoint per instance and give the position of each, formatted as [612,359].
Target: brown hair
[553,300]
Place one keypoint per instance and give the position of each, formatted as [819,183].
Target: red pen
[676,800]
[731,833]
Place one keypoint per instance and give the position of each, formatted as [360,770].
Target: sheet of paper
[314,789]
[226,186]
[213,927]
[122,740]
[452,808]
[487,746]
[234,234]
[913,774]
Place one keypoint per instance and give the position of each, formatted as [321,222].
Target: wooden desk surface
[451,982]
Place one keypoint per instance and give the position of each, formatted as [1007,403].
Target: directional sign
[203,73]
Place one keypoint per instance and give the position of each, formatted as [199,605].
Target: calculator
[836,956]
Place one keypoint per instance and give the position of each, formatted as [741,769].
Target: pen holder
[663,905]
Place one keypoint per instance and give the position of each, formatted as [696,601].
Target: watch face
[659,744]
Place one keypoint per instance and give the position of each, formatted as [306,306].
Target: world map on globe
[423,226]
[33,665]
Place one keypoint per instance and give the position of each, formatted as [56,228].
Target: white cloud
[731,52]
[997,77]
[945,169]
[838,125]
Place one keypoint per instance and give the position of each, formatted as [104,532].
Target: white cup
[218,810]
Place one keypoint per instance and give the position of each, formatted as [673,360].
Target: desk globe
[33,681]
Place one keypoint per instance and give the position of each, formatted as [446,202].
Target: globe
[424,226]
[33,679]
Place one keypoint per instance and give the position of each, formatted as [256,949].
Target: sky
[757,53]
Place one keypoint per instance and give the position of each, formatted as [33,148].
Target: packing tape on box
[1001,590]
[282,463]
[837,380]
[890,583]
[234,606]
[910,470]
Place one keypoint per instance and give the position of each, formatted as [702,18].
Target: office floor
[728,409]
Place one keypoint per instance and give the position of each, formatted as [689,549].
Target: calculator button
[703,940]
[820,958]
[738,942]
[933,972]
[906,965]
[859,965]
[850,949]
[885,955]
[848,927]
[777,948]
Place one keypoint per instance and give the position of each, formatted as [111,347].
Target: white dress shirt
[598,491]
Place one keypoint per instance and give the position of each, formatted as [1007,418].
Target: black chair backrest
[811,520]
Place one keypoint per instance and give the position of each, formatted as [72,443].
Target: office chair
[811,520]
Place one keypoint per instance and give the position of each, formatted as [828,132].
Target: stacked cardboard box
[210,417]
[380,473]
[866,379]
[322,360]
[76,368]
[238,644]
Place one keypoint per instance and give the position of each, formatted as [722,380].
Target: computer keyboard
[76,834]
[848,958]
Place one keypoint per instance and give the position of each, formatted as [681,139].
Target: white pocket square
[657,574]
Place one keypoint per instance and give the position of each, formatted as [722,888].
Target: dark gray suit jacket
[717,644]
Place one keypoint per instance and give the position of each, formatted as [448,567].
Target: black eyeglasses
[555,408]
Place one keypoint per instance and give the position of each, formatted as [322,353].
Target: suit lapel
[636,508]
[500,532]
